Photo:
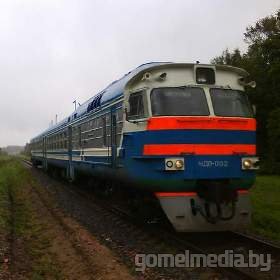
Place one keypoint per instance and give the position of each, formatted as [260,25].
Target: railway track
[195,243]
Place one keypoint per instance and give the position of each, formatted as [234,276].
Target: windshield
[179,101]
[230,103]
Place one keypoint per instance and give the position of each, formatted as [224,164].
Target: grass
[266,207]
[7,178]
[19,220]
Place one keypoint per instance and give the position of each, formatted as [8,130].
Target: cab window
[179,101]
[231,103]
[137,105]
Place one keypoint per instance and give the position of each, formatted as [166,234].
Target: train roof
[115,90]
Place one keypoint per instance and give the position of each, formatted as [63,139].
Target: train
[183,132]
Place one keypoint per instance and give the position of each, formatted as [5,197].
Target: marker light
[169,163]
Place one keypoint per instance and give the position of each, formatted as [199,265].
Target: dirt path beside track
[41,242]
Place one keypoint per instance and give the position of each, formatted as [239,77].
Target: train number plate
[213,163]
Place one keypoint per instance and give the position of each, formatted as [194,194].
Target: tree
[262,61]
[234,58]
[2,152]
[273,127]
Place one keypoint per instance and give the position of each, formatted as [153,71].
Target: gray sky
[55,51]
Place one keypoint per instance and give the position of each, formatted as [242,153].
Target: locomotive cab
[190,138]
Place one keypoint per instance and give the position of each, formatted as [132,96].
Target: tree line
[262,61]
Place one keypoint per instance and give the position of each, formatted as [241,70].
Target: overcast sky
[55,51]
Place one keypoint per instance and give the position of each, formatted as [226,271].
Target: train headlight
[179,164]
[174,164]
[247,164]
[250,163]
[205,75]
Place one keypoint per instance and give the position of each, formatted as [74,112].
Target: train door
[113,138]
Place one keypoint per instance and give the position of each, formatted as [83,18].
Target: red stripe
[199,149]
[243,191]
[175,194]
[172,194]
[225,123]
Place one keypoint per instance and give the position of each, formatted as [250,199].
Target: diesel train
[183,132]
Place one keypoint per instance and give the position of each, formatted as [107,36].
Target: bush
[273,133]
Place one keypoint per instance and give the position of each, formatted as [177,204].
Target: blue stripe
[192,137]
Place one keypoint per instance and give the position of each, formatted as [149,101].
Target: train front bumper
[181,210]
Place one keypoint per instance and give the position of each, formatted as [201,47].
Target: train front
[190,138]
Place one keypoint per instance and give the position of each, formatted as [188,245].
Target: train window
[108,119]
[61,144]
[205,76]
[137,105]
[62,140]
[80,136]
[180,101]
[230,103]
[119,114]
[104,131]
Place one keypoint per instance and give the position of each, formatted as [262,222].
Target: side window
[80,136]
[104,131]
[137,105]
[65,140]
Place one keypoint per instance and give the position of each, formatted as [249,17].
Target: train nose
[216,191]
[188,211]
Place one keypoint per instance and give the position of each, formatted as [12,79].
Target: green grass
[8,177]
[18,217]
[266,207]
